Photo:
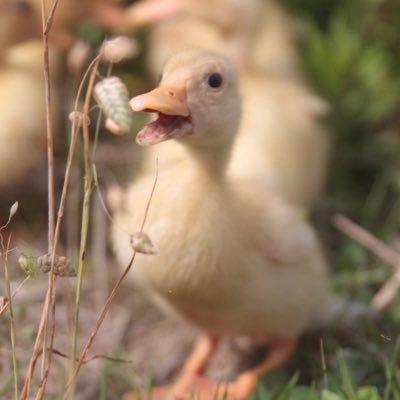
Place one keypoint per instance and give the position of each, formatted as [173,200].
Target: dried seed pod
[29,264]
[142,243]
[78,56]
[113,98]
[13,209]
[62,266]
[119,48]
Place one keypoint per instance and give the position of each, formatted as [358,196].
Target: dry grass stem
[387,293]
[86,205]
[109,301]
[368,240]
[46,26]
[36,350]
[4,308]
[92,358]
[11,312]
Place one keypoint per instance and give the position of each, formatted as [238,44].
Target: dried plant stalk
[107,305]
[380,249]
[76,122]
[12,322]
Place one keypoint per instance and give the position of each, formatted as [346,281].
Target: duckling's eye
[22,6]
[214,80]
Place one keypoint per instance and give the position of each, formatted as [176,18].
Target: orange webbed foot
[192,385]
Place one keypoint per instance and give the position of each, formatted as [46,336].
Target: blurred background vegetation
[351,52]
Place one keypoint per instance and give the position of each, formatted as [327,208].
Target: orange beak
[173,114]
[146,12]
[168,100]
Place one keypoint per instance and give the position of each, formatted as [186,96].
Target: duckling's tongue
[165,127]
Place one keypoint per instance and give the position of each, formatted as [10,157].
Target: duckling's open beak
[173,121]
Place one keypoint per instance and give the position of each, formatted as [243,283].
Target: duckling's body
[22,111]
[231,257]
[226,258]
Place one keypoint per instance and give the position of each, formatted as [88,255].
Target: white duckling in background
[17,23]
[22,110]
[282,142]
[231,257]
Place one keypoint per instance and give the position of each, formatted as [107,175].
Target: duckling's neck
[209,161]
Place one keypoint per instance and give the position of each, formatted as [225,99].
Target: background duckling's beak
[173,121]
[146,12]
[168,100]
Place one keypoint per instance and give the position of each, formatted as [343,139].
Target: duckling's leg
[192,383]
[190,379]
[279,353]
[194,367]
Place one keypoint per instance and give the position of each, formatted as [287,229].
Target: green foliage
[351,52]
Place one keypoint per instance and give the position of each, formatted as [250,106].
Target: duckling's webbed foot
[191,376]
[191,383]
[190,380]
[245,384]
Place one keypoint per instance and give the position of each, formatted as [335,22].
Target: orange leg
[245,384]
[194,366]
[190,382]
[242,387]
[190,379]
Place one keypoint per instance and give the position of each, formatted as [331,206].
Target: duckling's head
[197,101]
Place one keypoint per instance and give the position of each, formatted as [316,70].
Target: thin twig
[46,26]
[36,350]
[14,294]
[369,241]
[60,214]
[387,293]
[380,249]
[109,300]
[84,122]
[85,206]
[12,322]
[92,358]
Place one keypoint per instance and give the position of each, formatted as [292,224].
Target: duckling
[257,34]
[17,23]
[281,112]
[232,258]
[22,111]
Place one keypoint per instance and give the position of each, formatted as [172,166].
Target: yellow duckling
[22,111]
[17,23]
[280,111]
[258,35]
[231,258]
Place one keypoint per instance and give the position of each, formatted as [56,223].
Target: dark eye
[214,80]
[22,6]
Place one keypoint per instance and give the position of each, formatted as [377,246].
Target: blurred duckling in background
[17,23]
[232,258]
[282,142]
[258,35]
[22,110]
[22,19]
